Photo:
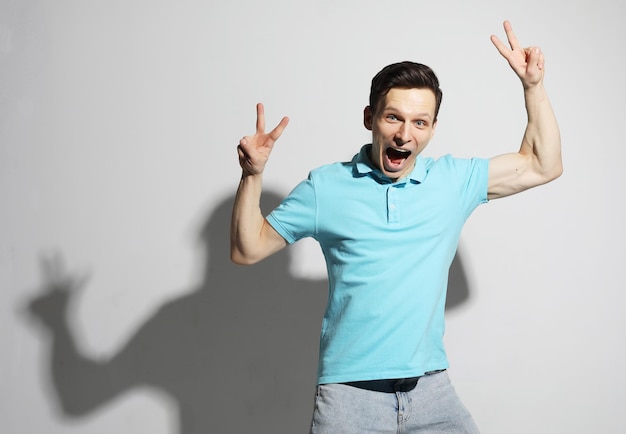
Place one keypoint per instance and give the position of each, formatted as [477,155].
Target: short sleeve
[295,217]
[473,178]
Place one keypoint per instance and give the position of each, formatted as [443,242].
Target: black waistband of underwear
[390,385]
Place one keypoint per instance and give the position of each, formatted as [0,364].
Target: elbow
[238,254]
[251,250]
[549,171]
[239,258]
[556,172]
[547,177]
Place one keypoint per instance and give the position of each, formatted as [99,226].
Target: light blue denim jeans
[432,407]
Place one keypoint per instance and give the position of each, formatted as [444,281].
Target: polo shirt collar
[363,166]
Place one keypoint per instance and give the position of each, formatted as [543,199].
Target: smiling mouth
[396,156]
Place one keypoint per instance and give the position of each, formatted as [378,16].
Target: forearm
[542,139]
[251,238]
[82,384]
[247,219]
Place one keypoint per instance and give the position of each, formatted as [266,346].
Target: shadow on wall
[239,354]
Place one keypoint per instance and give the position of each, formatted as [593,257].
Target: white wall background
[118,127]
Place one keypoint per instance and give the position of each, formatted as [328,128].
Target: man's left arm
[539,159]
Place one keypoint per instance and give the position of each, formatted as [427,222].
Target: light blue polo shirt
[388,248]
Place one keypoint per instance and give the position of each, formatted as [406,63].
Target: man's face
[401,126]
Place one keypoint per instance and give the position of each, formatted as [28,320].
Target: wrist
[249,177]
[533,87]
[535,92]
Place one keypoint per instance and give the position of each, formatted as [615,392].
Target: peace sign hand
[528,63]
[254,151]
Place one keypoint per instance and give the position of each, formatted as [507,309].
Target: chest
[389,212]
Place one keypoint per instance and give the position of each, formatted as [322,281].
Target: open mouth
[397,156]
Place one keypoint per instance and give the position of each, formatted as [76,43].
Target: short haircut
[404,75]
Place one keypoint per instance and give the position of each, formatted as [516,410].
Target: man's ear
[368,117]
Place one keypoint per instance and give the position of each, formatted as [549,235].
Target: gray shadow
[458,286]
[238,354]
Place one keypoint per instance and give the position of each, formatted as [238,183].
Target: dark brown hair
[404,75]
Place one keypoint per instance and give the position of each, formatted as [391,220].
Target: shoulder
[338,169]
[448,163]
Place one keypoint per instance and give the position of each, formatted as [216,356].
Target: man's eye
[392,117]
[420,123]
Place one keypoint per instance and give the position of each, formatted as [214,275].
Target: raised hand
[254,151]
[528,63]
[59,286]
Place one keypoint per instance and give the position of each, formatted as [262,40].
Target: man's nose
[403,135]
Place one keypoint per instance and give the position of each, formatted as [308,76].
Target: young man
[388,223]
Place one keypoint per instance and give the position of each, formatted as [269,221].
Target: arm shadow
[458,285]
[238,354]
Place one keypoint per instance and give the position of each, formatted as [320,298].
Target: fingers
[240,148]
[56,277]
[51,266]
[260,124]
[535,57]
[533,73]
[276,132]
[502,49]
[250,147]
[510,36]
[526,62]
[260,118]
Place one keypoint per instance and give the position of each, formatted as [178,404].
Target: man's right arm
[252,238]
